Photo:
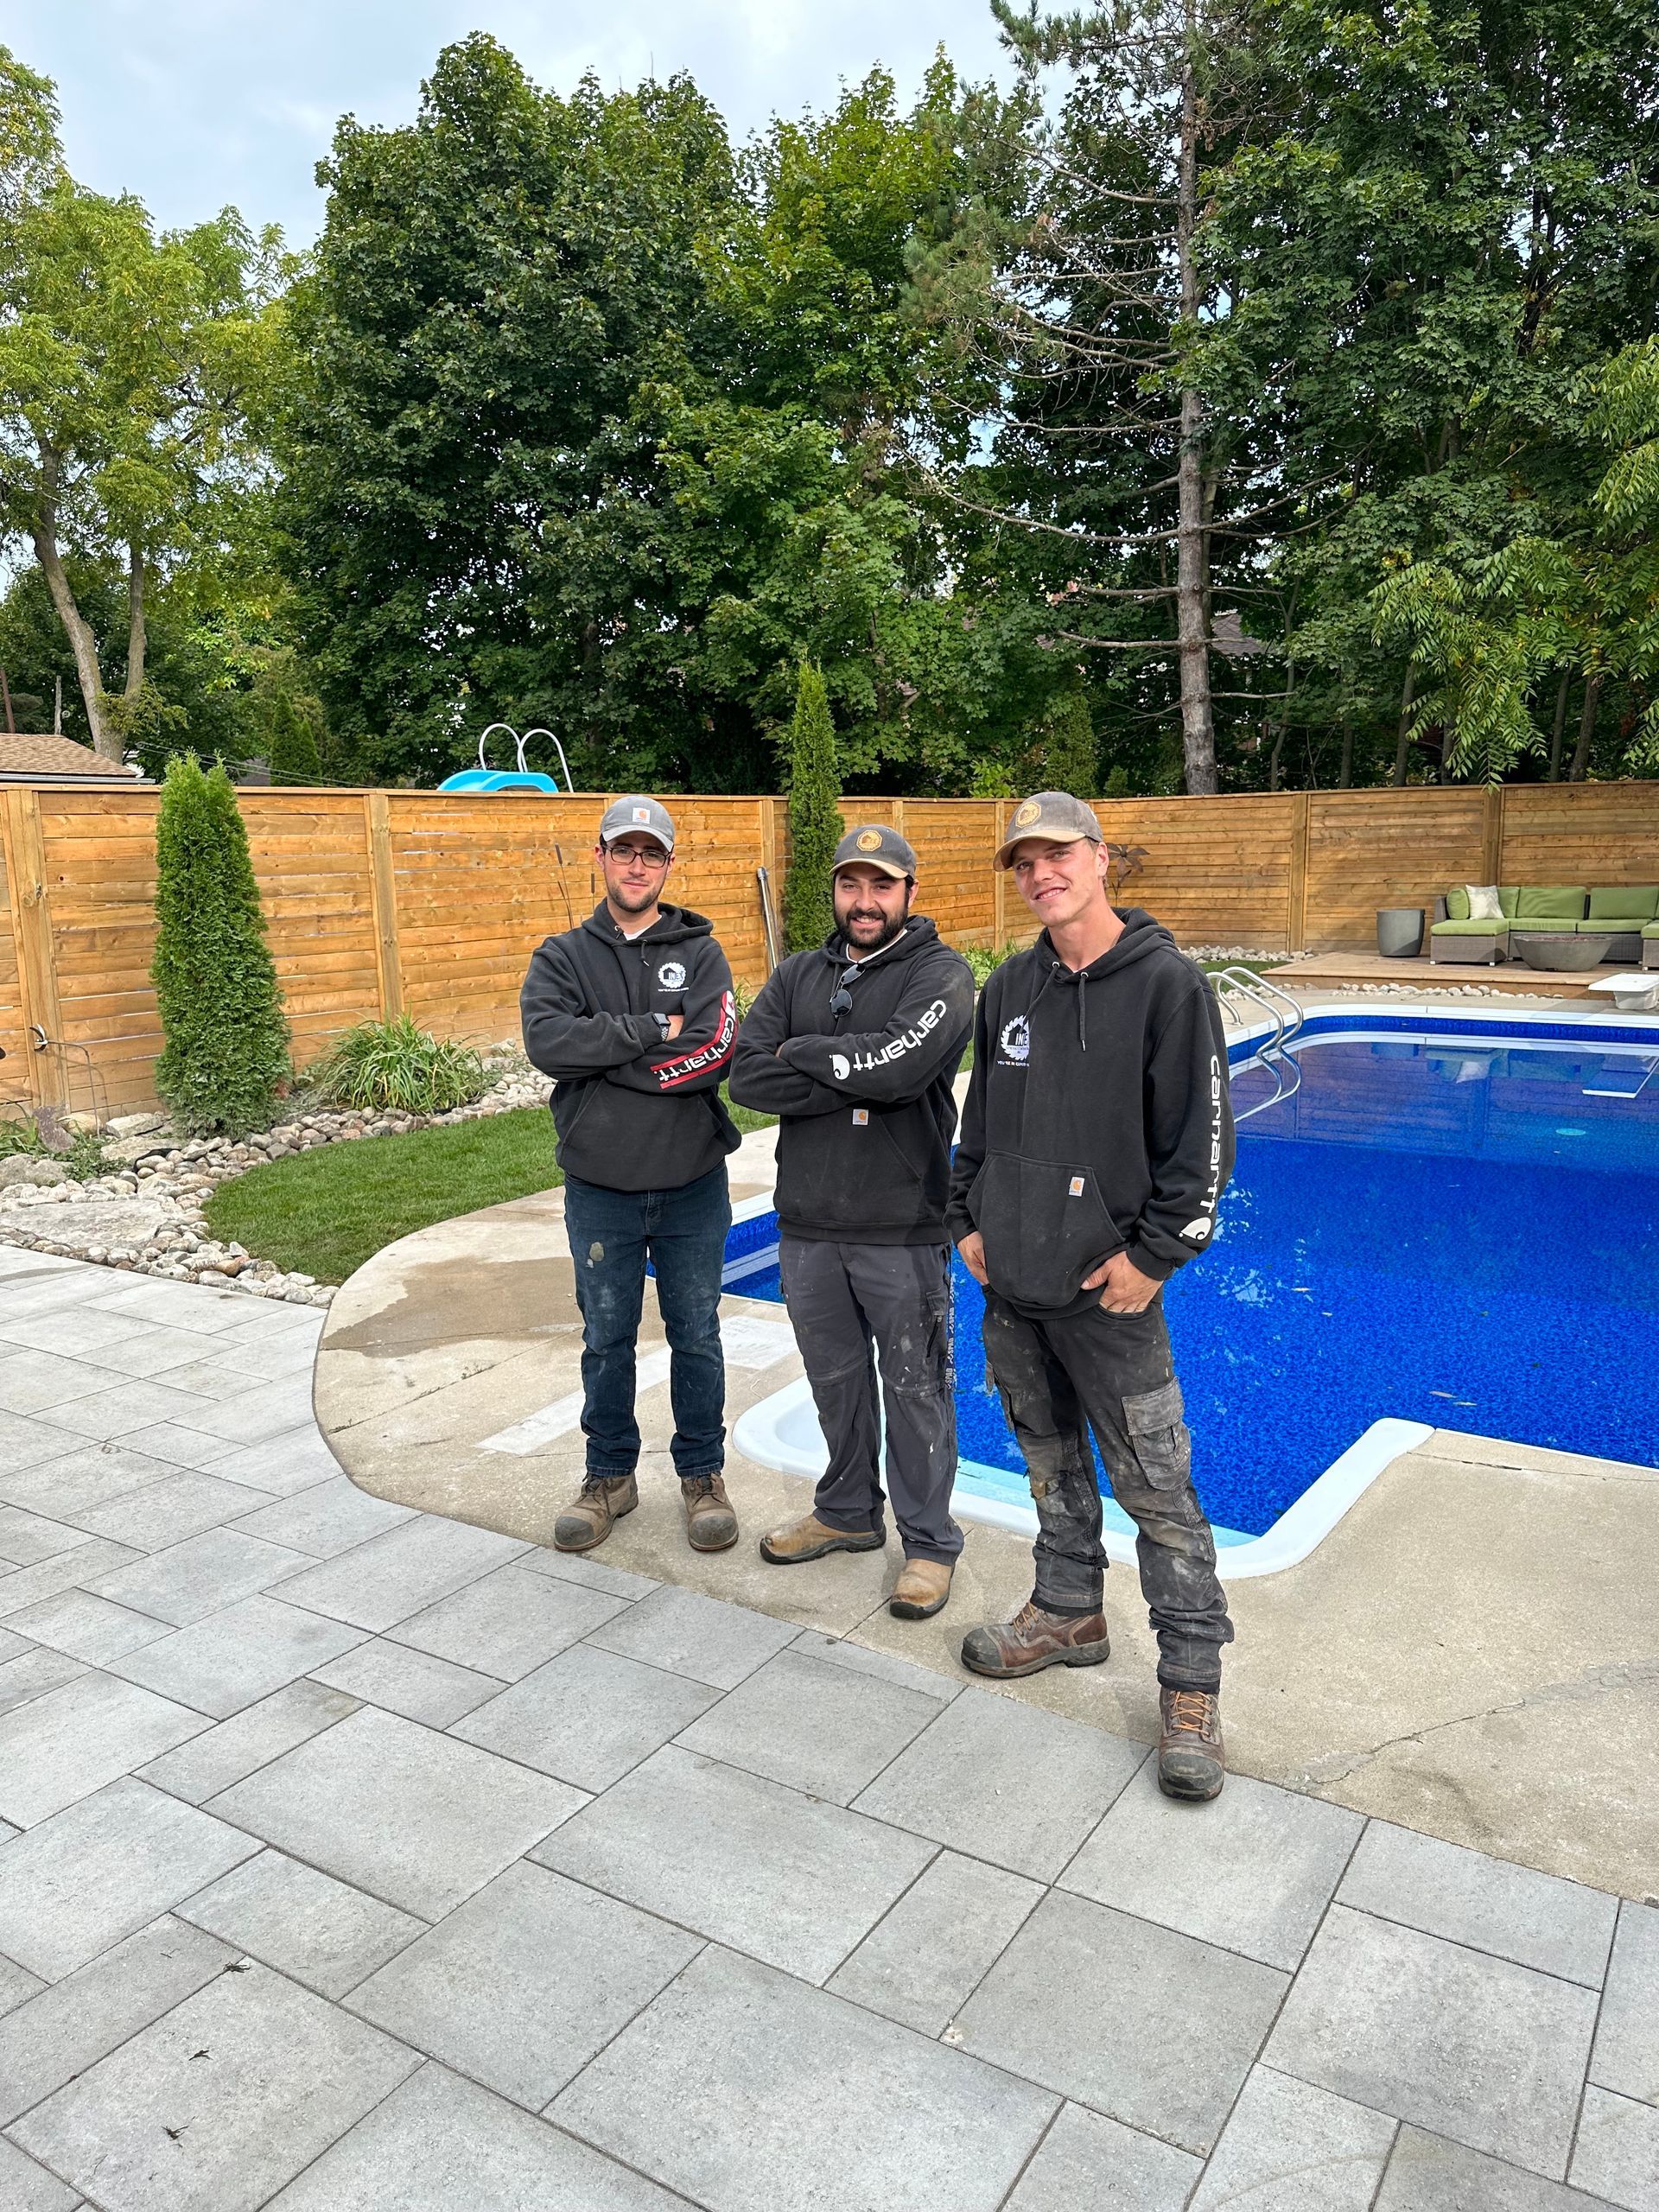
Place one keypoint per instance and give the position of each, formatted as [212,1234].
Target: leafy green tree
[293,757]
[221,1012]
[1070,759]
[815,827]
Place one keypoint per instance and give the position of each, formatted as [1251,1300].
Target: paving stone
[257,1414]
[522,1985]
[101,1868]
[685,1633]
[249,1741]
[235,1658]
[142,1350]
[92,1629]
[84,1476]
[272,1358]
[284,1466]
[409,1568]
[1537,1920]
[26,1537]
[219,2103]
[762,1868]
[24,1444]
[587,1716]
[817,1727]
[1289,2147]
[49,1291]
[306,1924]
[411,1682]
[753,2053]
[25,2187]
[178,1306]
[35,1672]
[199,1576]
[1147,2026]
[329,1516]
[1617,2153]
[411,1816]
[63,1571]
[179,1448]
[35,1382]
[216,1379]
[1006,1782]
[66,1744]
[1472,2047]
[167,1513]
[930,1954]
[16,1983]
[71,2026]
[1626,2053]
[80,1331]
[1427,2173]
[123,1410]
[1252,1872]
[439,2144]
[571,1567]
[841,1651]
[1089,2163]
[12,1646]
[507,1623]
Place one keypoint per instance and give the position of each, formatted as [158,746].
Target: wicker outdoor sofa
[1625,916]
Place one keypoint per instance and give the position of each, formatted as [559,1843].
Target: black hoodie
[633,1112]
[1097,1120]
[864,1151]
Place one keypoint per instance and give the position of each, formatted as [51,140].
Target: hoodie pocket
[1044,1226]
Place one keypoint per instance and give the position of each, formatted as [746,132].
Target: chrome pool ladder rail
[1238,984]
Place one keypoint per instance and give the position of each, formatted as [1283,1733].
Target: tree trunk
[1561,725]
[1402,735]
[1197,720]
[1274,758]
[1345,773]
[1586,728]
[82,644]
[136,635]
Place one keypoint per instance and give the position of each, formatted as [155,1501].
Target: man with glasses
[855,1046]
[633,1015]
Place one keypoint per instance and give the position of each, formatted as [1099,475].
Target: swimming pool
[1452,1223]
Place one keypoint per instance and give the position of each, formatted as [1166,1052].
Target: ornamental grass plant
[392,1066]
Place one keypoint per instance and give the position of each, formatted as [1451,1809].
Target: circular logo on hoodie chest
[671,976]
[1015,1042]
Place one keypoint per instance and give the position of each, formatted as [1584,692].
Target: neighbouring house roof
[1229,637]
[25,759]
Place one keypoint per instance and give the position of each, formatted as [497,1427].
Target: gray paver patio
[305,1903]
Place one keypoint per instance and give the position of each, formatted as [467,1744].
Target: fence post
[31,929]
[1491,833]
[998,878]
[383,890]
[1296,890]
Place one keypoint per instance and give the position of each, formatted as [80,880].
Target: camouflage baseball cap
[646,814]
[876,846]
[1055,816]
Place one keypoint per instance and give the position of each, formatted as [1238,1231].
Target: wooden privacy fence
[384,902]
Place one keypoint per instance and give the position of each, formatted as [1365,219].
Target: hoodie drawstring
[1080,977]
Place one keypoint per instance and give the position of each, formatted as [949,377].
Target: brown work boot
[1190,1754]
[710,1520]
[811,1538]
[1035,1639]
[921,1590]
[587,1520]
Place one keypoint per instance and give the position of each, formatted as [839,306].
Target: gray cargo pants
[1112,1373]
[852,1306]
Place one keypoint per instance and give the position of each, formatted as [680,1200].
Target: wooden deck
[1326,971]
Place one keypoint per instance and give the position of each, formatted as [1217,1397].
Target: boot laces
[1190,1709]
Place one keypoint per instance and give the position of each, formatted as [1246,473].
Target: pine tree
[226,1042]
[1070,759]
[292,742]
[815,827]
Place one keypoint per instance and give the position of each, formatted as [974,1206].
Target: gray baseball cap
[636,813]
[876,846]
[1053,814]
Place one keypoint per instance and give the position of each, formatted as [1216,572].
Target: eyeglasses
[648,855]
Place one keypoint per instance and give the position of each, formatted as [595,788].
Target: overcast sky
[195,103]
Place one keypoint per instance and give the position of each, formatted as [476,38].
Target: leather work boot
[811,1538]
[921,1590]
[587,1520]
[710,1521]
[1033,1640]
[1191,1755]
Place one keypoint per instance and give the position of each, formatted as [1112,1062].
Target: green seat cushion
[1470,929]
[1606,928]
[1550,902]
[1652,930]
[1625,902]
[1457,904]
[1507,895]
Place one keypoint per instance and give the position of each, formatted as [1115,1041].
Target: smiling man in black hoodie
[855,1046]
[1096,1141]
[633,1016]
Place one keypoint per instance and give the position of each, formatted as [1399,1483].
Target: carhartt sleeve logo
[869,841]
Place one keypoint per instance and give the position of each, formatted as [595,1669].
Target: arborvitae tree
[814,815]
[221,1011]
[1071,758]
[294,756]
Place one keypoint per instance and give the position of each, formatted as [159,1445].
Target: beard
[630,900]
[891,927]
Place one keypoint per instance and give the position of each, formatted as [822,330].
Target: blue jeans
[683,1233]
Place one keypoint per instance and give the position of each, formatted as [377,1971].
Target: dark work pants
[683,1234]
[1112,1373]
[844,1300]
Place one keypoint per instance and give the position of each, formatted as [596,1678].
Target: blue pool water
[1454,1230]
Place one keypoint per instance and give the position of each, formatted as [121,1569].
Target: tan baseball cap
[876,846]
[1053,814]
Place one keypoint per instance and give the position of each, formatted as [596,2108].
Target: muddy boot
[921,1590]
[710,1521]
[1033,1640]
[1191,1755]
[587,1520]
[811,1538]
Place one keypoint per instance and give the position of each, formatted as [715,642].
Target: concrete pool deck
[1472,1652]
